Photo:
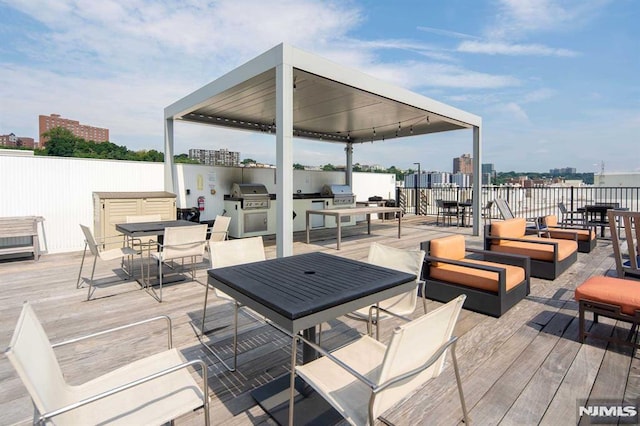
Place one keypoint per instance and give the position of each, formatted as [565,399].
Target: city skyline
[550,79]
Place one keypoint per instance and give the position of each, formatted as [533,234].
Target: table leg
[369,223]
[308,353]
[307,227]
[339,226]
[399,222]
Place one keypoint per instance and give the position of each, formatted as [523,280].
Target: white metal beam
[168,156]
[284,156]
[477,178]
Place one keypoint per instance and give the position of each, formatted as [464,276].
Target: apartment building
[16,141]
[89,133]
[221,157]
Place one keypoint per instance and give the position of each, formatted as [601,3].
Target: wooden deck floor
[526,367]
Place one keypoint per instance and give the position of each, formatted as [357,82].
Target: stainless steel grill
[342,194]
[254,196]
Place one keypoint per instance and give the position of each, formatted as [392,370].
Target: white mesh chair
[365,378]
[230,253]
[220,228]
[409,261]
[179,242]
[152,390]
[105,255]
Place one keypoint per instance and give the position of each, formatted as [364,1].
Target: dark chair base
[587,246]
[551,270]
[609,311]
[484,302]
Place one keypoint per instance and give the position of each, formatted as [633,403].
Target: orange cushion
[550,220]
[451,247]
[538,251]
[510,228]
[614,291]
[477,278]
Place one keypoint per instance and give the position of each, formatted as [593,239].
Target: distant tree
[329,167]
[298,166]
[357,167]
[248,161]
[61,143]
[184,159]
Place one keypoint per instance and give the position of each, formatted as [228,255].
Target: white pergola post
[348,178]
[284,158]
[477,179]
[168,155]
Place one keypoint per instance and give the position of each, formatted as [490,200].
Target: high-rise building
[463,164]
[89,133]
[222,157]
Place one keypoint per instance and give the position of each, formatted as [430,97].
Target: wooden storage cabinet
[111,208]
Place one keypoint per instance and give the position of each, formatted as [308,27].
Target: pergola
[296,94]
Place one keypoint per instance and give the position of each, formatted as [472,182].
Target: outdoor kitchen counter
[339,213]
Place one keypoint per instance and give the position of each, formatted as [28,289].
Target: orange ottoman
[613,298]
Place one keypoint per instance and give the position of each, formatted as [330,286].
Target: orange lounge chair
[585,236]
[493,282]
[550,257]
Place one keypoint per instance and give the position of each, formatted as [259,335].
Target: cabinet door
[116,211]
[165,207]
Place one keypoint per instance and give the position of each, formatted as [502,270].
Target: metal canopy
[323,109]
[292,93]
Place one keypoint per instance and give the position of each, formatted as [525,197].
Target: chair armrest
[341,364]
[122,327]
[183,244]
[378,388]
[465,264]
[44,417]
[402,317]
[432,360]
[505,258]
[524,240]
[565,231]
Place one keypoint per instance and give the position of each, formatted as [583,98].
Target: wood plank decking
[526,367]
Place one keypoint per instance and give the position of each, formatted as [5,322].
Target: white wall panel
[61,189]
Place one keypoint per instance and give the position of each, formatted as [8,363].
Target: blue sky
[555,82]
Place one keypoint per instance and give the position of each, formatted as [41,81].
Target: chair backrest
[440,204]
[184,241]
[504,208]
[409,261]
[411,346]
[236,252]
[220,228]
[88,237]
[563,208]
[629,223]
[488,206]
[31,355]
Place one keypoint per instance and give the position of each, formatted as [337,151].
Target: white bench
[20,235]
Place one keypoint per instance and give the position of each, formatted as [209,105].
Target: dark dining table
[141,229]
[596,214]
[297,293]
[156,228]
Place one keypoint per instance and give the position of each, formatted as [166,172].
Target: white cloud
[418,75]
[446,33]
[500,48]
[516,18]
